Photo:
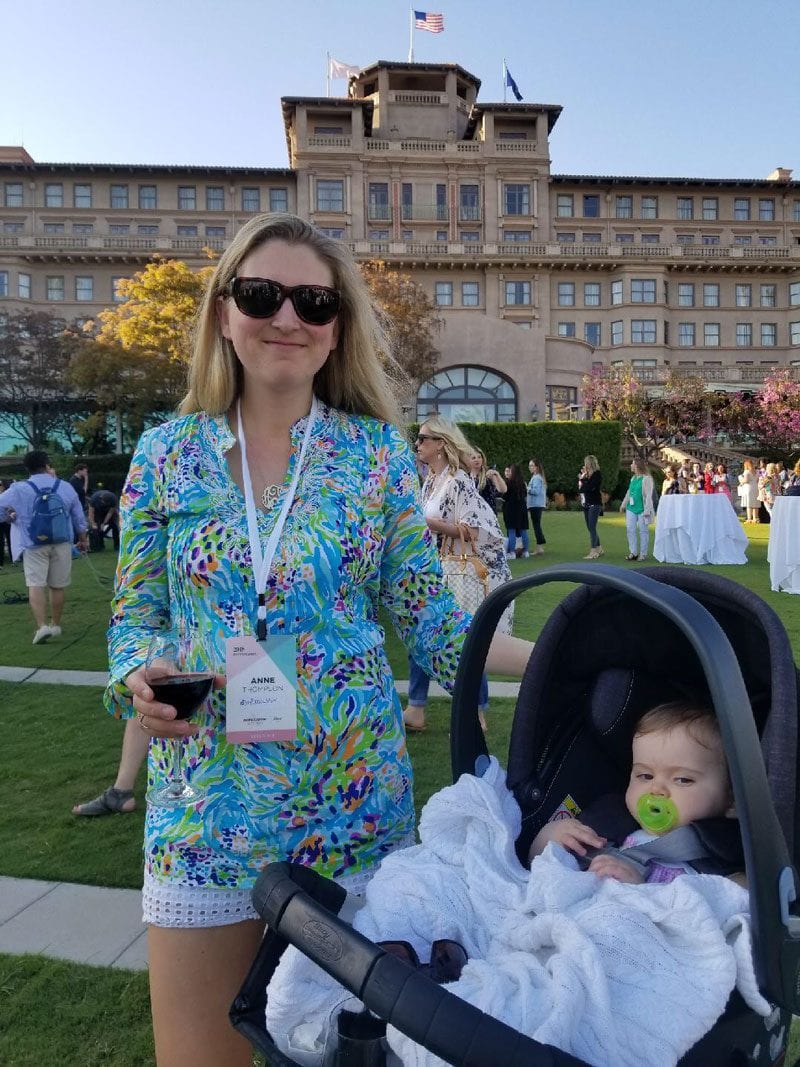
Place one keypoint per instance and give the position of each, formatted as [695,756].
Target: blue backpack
[50,522]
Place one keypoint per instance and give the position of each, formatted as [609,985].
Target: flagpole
[328,75]
[504,81]
[411,35]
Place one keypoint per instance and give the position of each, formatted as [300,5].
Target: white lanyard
[262,561]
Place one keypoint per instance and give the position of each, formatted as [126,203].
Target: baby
[679,775]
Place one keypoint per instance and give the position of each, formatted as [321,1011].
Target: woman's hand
[158,719]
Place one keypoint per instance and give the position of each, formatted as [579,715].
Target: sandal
[630,556]
[110,802]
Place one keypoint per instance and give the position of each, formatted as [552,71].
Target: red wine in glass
[184,692]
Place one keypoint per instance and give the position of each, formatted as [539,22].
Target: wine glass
[167,674]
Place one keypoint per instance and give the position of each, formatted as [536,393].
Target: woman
[488,481]
[708,478]
[748,482]
[515,511]
[721,483]
[449,501]
[592,502]
[671,485]
[537,502]
[769,486]
[282,502]
[638,508]
[696,480]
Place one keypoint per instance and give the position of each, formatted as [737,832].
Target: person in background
[80,483]
[488,480]
[769,486]
[793,481]
[721,482]
[589,481]
[47,567]
[537,502]
[671,484]
[695,481]
[5,528]
[748,482]
[783,474]
[638,509]
[708,478]
[104,515]
[515,511]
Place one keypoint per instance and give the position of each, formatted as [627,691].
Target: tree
[409,316]
[35,354]
[775,415]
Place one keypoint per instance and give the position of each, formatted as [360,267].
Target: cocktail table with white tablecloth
[783,551]
[698,528]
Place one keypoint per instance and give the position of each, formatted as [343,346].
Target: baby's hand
[613,867]
[570,833]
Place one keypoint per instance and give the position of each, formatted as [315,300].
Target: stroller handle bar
[771,878]
[288,897]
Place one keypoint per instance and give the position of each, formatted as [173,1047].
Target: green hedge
[559,446]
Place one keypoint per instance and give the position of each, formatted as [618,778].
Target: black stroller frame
[301,908]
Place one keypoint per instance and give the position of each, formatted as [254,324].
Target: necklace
[271,495]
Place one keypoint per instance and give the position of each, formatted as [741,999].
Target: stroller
[612,648]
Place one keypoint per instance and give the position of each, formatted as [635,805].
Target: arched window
[468,394]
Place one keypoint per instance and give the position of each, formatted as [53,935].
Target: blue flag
[512,85]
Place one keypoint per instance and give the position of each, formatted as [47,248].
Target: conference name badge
[261,695]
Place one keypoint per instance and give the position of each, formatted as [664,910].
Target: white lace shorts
[172,905]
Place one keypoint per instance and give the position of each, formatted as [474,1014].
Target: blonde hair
[359,375]
[771,469]
[481,478]
[591,464]
[455,446]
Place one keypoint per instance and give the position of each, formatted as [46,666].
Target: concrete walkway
[91,924]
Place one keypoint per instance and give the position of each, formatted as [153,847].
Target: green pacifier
[656,814]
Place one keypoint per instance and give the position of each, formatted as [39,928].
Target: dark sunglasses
[426,437]
[447,958]
[260,298]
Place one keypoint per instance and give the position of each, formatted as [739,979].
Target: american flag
[427,20]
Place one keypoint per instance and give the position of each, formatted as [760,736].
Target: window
[443,294]
[710,239]
[118,229]
[769,334]
[643,290]
[54,194]
[187,197]
[651,239]
[566,294]
[710,207]
[770,241]
[148,198]
[3,283]
[338,232]
[469,235]
[518,293]
[13,227]
[330,194]
[744,334]
[741,208]
[711,334]
[469,208]
[743,296]
[649,207]
[407,235]
[685,207]
[55,288]
[83,229]
[566,329]
[84,288]
[686,334]
[616,332]
[279,199]
[441,235]
[794,333]
[116,295]
[24,286]
[516,199]
[592,332]
[592,237]
[710,295]
[561,402]
[624,207]
[251,199]
[328,131]
[742,239]
[565,206]
[591,207]
[147,229]
[382,235]
[378,201]
[187,231]
[616,292]
[473,394]
[591,294]
[470,294]
[516,235]
[685,294]
[794,294]
[643,331]
[119,196]
[215,198]
[54,227]
[14,196]
[624,238]
[215,231]
[565,238]
[766,210]
[795,209]
[769,296]
[82,195]
[685,238]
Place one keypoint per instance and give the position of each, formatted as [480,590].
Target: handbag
[464,573]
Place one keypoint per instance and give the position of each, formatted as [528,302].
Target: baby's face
[673,764]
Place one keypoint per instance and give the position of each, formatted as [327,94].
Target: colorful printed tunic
[340,795]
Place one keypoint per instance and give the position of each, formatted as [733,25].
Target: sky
[672,88]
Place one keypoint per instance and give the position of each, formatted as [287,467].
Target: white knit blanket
[613,973]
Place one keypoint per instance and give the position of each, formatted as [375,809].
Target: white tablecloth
[698,528]
[783,551]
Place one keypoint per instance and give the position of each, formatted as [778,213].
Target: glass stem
[177,781]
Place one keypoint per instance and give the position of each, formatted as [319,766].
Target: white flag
[341,70]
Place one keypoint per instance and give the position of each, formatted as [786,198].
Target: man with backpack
[46,517]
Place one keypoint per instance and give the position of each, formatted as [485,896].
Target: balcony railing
[67,243]
[333,142]
[424,213]
[379,212]
[731,374]
[469,213]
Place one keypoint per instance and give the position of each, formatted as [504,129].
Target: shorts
[49,565]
